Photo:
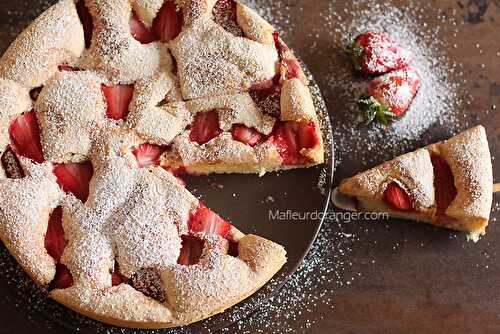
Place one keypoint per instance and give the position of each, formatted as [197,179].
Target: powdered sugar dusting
[438,97]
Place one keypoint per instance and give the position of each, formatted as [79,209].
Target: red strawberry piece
[191,250]
[291,137]
[148,154]
[290,64]
[118,99]
[378,53]
[207,221]
[86,20]
[390,95]
[25,136]
[140,32]
[205,127]
[397,198]
[63,278]
[168,23]
[116,277]
[74,178]
[444,183]
[54,237]
[247,135]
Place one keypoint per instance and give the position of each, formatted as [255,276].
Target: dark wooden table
[409,278]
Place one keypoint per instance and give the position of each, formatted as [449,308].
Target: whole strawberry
[390,95]
[377,53]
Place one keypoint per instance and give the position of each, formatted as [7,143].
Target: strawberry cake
[448,184]
[104,105]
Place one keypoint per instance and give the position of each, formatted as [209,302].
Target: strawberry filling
[11,164]
[224,14]
[267,96]
[444,183]
[149,282]
[54,237]
[118,98]
[86,20]
[139,31]
[74,178]
[63,278]
[290,65]
[205,220]
[55,244]
[290,138]
[25,137]
[205,127]
[149,154]
[116,277]
[246,135]
[167,25]
[192,248]
[397,198]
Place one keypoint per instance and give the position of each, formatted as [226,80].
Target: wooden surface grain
[415,278]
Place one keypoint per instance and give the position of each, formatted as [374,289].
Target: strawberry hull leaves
[356,52]
[372,110]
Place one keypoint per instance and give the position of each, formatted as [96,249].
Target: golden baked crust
[136,217]
[468,156]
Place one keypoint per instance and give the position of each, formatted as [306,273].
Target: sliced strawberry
[168,23]
[444,183]
[25,136]
[116,277]
[118,99]
[11,164]
[140,32]
[148,154]
[191,250]
[397,198]
[205,127]
[224,13]
[291,137]
[74,178]
[207,221]
[289,63]
[86,20]
[378,53]
[247,135]
[63,278]
[54,237]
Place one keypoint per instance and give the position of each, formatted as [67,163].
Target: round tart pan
[248,201]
